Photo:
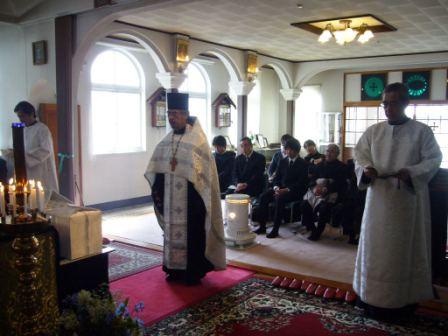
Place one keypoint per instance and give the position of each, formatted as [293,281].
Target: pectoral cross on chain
[173,163]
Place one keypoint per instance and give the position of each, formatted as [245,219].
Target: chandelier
[342,36]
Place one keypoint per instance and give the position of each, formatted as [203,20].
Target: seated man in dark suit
[278,156]
[3,171]
[224,162]
[335,172]
[290,183]
[248,173]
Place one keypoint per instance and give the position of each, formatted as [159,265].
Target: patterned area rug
[255,307]
[130,259]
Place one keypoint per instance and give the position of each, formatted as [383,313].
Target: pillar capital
[241,88]
[290,94]
[171,80]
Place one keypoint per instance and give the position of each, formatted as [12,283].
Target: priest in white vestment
[185,190]
[395,160]
[39,151]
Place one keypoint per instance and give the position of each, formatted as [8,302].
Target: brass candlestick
[32,303]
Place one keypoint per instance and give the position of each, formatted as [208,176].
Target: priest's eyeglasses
[393,103]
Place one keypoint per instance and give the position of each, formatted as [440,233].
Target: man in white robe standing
[39,151]
[185,190]
[395,160]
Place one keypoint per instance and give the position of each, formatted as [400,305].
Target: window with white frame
[197,86]
[359,118]
[117,104]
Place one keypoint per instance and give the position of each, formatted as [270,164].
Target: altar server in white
[395,160]
[39,152]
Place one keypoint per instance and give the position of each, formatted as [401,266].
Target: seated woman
[313,155]
[334,171]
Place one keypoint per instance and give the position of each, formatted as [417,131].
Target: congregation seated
[313,155]
[248,172]
[224,162]
[290,182]
[278,156]
[328,184]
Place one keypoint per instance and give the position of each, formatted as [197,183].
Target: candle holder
[29,279]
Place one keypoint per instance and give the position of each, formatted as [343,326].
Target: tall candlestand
[28,290]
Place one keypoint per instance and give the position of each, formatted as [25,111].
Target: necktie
[291,162]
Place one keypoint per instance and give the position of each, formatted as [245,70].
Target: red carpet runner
[162,298]
[255,308]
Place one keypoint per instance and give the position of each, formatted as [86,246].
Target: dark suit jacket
[251,172]
[3,171]
[224,165]
[295,178]
[275,162]
[335,170]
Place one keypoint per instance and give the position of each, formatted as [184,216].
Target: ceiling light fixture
[346,35]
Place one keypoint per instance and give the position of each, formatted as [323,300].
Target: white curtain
[307,114]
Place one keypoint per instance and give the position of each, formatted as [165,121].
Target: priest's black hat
[177,101]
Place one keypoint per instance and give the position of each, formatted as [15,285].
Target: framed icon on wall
[157,104]
[40,52]
[372,86]
[418,84]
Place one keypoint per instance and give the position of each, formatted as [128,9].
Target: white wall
[266,107]
[19,78]
[115,177]
[270,104]
[331,89]
[12,78]
[219,82]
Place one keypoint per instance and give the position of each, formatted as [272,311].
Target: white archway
[230,65]
[283,75]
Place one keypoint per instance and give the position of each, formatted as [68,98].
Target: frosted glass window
[435,116]
[196,84]
[114,68]
[117,106]
[195,81]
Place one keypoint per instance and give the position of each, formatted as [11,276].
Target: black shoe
[192,281]
[272,234]
[353,241]
[313,237]
[172,277]
[260,230]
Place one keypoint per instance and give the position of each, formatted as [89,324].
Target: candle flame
[12,188]
[32,184]
[11,181]
[39,185]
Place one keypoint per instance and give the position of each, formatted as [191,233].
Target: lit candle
[40,197]
[12,198]
[33,194]
[2,201]
[25,200]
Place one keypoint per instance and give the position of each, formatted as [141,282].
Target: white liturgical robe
[39,157]
[393,265]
